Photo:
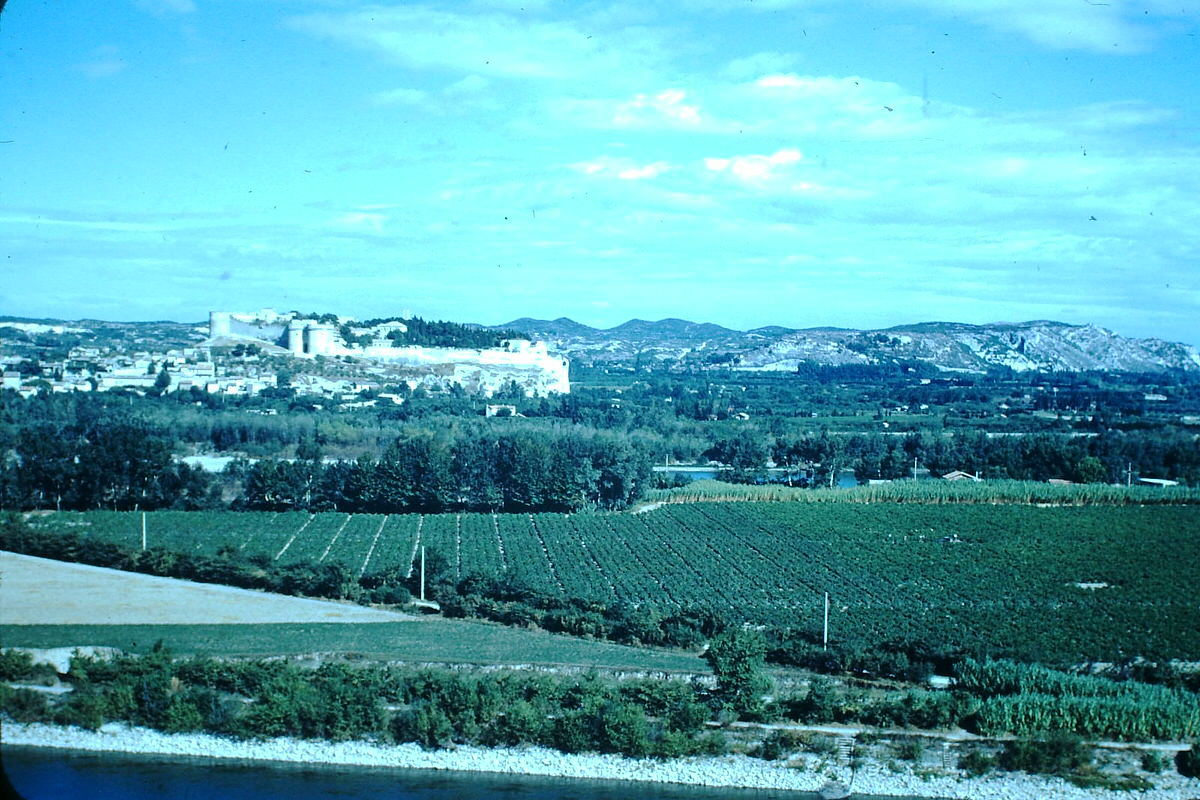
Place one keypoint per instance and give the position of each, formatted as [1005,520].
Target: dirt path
[38,591]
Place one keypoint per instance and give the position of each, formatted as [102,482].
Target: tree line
[1111,456]
[120,466]
[113,450]
[428,471]
[128,464]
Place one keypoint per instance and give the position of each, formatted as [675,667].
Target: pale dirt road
[38,591]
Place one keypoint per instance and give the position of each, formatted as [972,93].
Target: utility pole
[422,572]
[143,531]
[825,636]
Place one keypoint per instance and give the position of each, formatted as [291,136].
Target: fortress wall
[267,332]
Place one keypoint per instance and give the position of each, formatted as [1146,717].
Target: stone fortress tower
[306,337]
[218,324]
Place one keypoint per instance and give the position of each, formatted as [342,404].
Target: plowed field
[38,591]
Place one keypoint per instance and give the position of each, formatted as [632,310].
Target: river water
[45,774]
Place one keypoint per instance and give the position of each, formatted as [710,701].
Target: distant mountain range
[1024,346]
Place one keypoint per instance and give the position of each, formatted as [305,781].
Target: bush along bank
[341,702]
[655,719]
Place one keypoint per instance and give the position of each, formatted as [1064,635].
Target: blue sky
[791,162]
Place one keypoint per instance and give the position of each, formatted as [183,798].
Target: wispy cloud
[401,96]
[163,8]
[1117,27]
[513,45]
[106,61]
[622,168]
[371,221]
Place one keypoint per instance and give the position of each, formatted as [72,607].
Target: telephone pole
[825,635]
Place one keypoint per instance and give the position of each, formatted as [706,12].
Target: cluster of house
[89,369]
[93,369]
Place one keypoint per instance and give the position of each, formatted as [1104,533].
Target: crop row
[1093,582]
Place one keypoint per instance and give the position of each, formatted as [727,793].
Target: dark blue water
[44,774]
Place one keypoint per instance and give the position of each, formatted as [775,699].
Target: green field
[427,640]
[1036,583]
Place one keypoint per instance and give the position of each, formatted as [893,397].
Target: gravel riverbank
[738,771]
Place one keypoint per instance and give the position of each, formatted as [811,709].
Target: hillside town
[244,355]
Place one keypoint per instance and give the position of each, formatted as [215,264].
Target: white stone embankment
[739,771]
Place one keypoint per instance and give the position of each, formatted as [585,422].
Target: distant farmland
[1053,584]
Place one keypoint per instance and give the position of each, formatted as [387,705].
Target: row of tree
[120,466]
[428,471]
[1108,457]
[127,464]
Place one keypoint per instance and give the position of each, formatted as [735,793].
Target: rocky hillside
[1040,345]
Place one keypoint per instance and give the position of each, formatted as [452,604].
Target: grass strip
[423,640]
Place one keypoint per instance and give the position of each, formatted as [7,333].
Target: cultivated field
[1041,583]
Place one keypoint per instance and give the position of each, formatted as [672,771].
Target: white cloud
[666,106]
[402,96]
[622,168]
[749,67]
[472,84]
[646,171]
[369,221]
[754,167]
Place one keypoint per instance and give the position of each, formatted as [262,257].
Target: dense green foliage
[1188,762]
[1027,699]
[824,701]
[522,470]
[737,657]
[962,491]
[429,333]
[339,701]
[117,465]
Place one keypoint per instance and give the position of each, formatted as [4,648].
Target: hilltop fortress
[478,370]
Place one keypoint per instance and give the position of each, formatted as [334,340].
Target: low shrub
[1188,762]
[1057,754]
[909,748]
[23,705]
[976,763]
[778,744]
[15,665]
[1153,762]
